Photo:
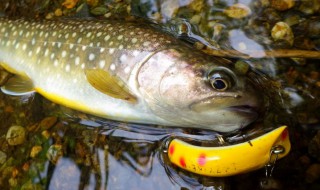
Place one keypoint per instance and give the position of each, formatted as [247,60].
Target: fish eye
[219,80]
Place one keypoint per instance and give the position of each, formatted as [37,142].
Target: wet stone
[3,157]
[313,173]
[35,151]
[314,146]
[48,122]
[282,31]
[54,153]
[242,67]
[237,11]
[282,5]
[16,135]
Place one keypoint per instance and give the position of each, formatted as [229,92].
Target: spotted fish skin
[54,54]
[166,77]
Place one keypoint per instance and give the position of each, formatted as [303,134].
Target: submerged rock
[16,135]
[54,153]
[313,173]
[282,31]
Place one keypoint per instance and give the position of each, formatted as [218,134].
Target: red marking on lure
[171,150]
[182,162]
[284,134]
[202,160]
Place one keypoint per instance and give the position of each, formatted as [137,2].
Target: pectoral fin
[18,86]
[109,84]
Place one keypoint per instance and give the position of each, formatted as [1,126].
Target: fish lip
[245,109]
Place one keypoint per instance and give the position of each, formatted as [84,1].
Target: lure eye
[219,80]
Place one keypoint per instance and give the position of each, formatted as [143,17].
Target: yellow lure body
[229,160]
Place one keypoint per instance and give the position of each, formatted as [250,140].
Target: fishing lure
[229,160]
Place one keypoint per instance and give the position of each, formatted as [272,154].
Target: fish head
[194,90]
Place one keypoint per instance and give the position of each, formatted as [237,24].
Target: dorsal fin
[18,86]
[109,84]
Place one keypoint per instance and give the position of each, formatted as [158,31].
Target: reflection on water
[73,153]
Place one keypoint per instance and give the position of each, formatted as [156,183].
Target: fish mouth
[245,109]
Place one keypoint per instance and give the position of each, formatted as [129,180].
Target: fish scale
[117,70]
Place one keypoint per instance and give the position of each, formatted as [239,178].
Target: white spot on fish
[71,46]
[146,43]
[38,50]
[79,40]
[24,46]
[120,37]
[64,53]
[74,34]
[134,40]
[46,52]
[127,70]
[77,60]
[123,58]
[111,50]
[135,53]
[52,56]
[121,46]
[30,53]
[68,68]
[99,34]
[84,48]
[91,57]
[89,34]
[102,63]
[33,41]
[55,63]
[17,45]
[107,38]
[112,67]
[82,66]
[102,50]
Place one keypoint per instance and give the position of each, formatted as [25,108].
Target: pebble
[314,146]
[237,11]
[313,173]
[282,31]
[48,122]
[35,150]
[54,153]
[242,67]
[195,19]
[16,135]
[282,5]
[3,157]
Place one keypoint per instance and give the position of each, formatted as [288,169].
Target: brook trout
[125,71]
